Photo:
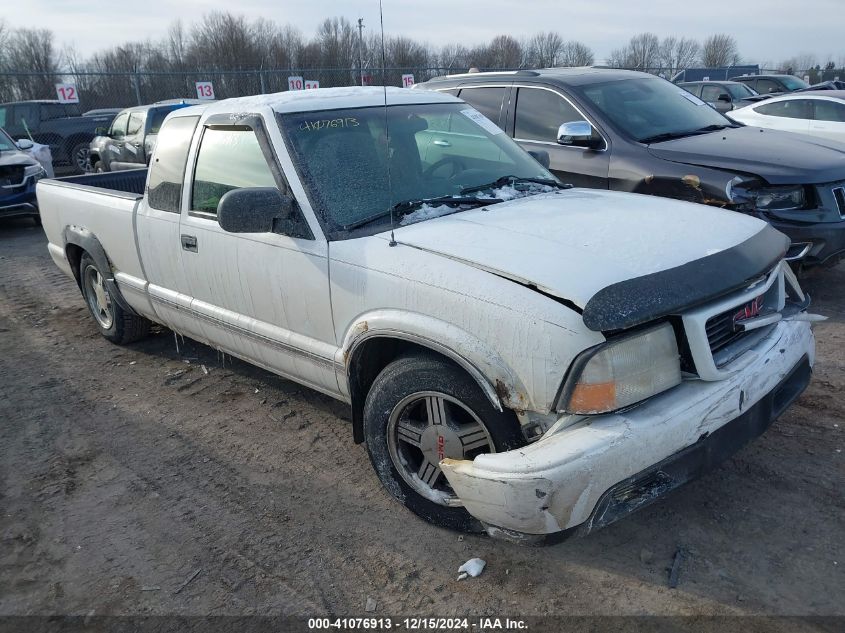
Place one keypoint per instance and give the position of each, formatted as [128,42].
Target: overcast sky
[767,30]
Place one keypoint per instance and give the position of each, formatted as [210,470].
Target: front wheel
[79,157]
[114,323]
[420,410]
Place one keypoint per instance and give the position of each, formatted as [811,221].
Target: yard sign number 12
[67,93]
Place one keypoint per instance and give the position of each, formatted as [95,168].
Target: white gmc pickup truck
[520,357]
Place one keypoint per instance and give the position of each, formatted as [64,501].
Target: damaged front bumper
[589,474]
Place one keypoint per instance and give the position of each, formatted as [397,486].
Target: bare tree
[678,53]
[574,53]
[504,52]
[719,50]
[544,49]
[32,51]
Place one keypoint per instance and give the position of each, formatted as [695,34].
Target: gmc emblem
[748,311]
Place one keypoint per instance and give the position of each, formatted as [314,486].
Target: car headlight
[622,372]
[779,198]
[34,170]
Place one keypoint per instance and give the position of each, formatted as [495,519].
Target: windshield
[740,91]
[6,143]
[435,151]
[793,83]
[646,108]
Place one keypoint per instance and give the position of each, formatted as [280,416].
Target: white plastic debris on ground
[473,567]
[43,155]
[509,192]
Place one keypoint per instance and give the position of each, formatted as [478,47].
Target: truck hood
[583,245]
[16,157]
[780,158]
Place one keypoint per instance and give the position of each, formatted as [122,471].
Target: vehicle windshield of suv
[793,83]
[441,158]
[6,142]
[654,110]
[741,91]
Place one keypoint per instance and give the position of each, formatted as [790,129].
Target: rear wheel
[420,410]
[114,323]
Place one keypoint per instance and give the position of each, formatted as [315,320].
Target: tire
[78,157]
[37,219]
[405,446]
[114,323]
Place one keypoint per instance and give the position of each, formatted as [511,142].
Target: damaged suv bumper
[589,474]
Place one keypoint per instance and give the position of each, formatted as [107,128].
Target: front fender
[481,361]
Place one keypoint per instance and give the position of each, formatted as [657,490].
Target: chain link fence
[124,89]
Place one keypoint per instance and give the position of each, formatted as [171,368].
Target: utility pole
[360,50]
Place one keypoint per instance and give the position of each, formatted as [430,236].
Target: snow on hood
[572,243]
[16,157]
[508,192]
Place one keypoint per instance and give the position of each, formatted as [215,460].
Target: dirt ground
[124,471]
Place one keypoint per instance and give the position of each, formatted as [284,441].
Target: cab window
[118,127]
[539,114]
[167,170]
[136,124]
[228,159]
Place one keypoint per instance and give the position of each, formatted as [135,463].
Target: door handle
[189,243]
[442,143]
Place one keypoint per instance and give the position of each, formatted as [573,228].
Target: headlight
[34,170]
[779,198]
[620,373]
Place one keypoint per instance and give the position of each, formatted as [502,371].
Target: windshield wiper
[513,180]
[668,136]
[401,209]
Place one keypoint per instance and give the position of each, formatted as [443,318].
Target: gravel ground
[127,471]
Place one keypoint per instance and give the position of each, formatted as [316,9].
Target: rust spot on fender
[691,180]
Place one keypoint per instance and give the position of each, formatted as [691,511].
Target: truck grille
[721,329]
[11,175]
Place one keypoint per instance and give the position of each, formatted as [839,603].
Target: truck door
[157,227]
[132,153]
[539,114]
[113,151]
[259,296]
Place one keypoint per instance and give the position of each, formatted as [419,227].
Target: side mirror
[253,210]
[541,156]
[101,131]
[725,97]
[577,134]
[25,143]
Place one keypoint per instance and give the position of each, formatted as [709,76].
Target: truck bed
[131,181]
[102,205]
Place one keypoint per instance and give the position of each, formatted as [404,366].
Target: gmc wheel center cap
[439,441]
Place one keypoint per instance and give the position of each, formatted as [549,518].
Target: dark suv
[772,84]
[631,131]
[722,95]
[59,125]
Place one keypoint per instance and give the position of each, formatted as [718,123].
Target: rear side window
[539,114]
[488,101]
[829,111]
[168,167]
[228,159]
[693,88]
[791,109]
[158,117]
